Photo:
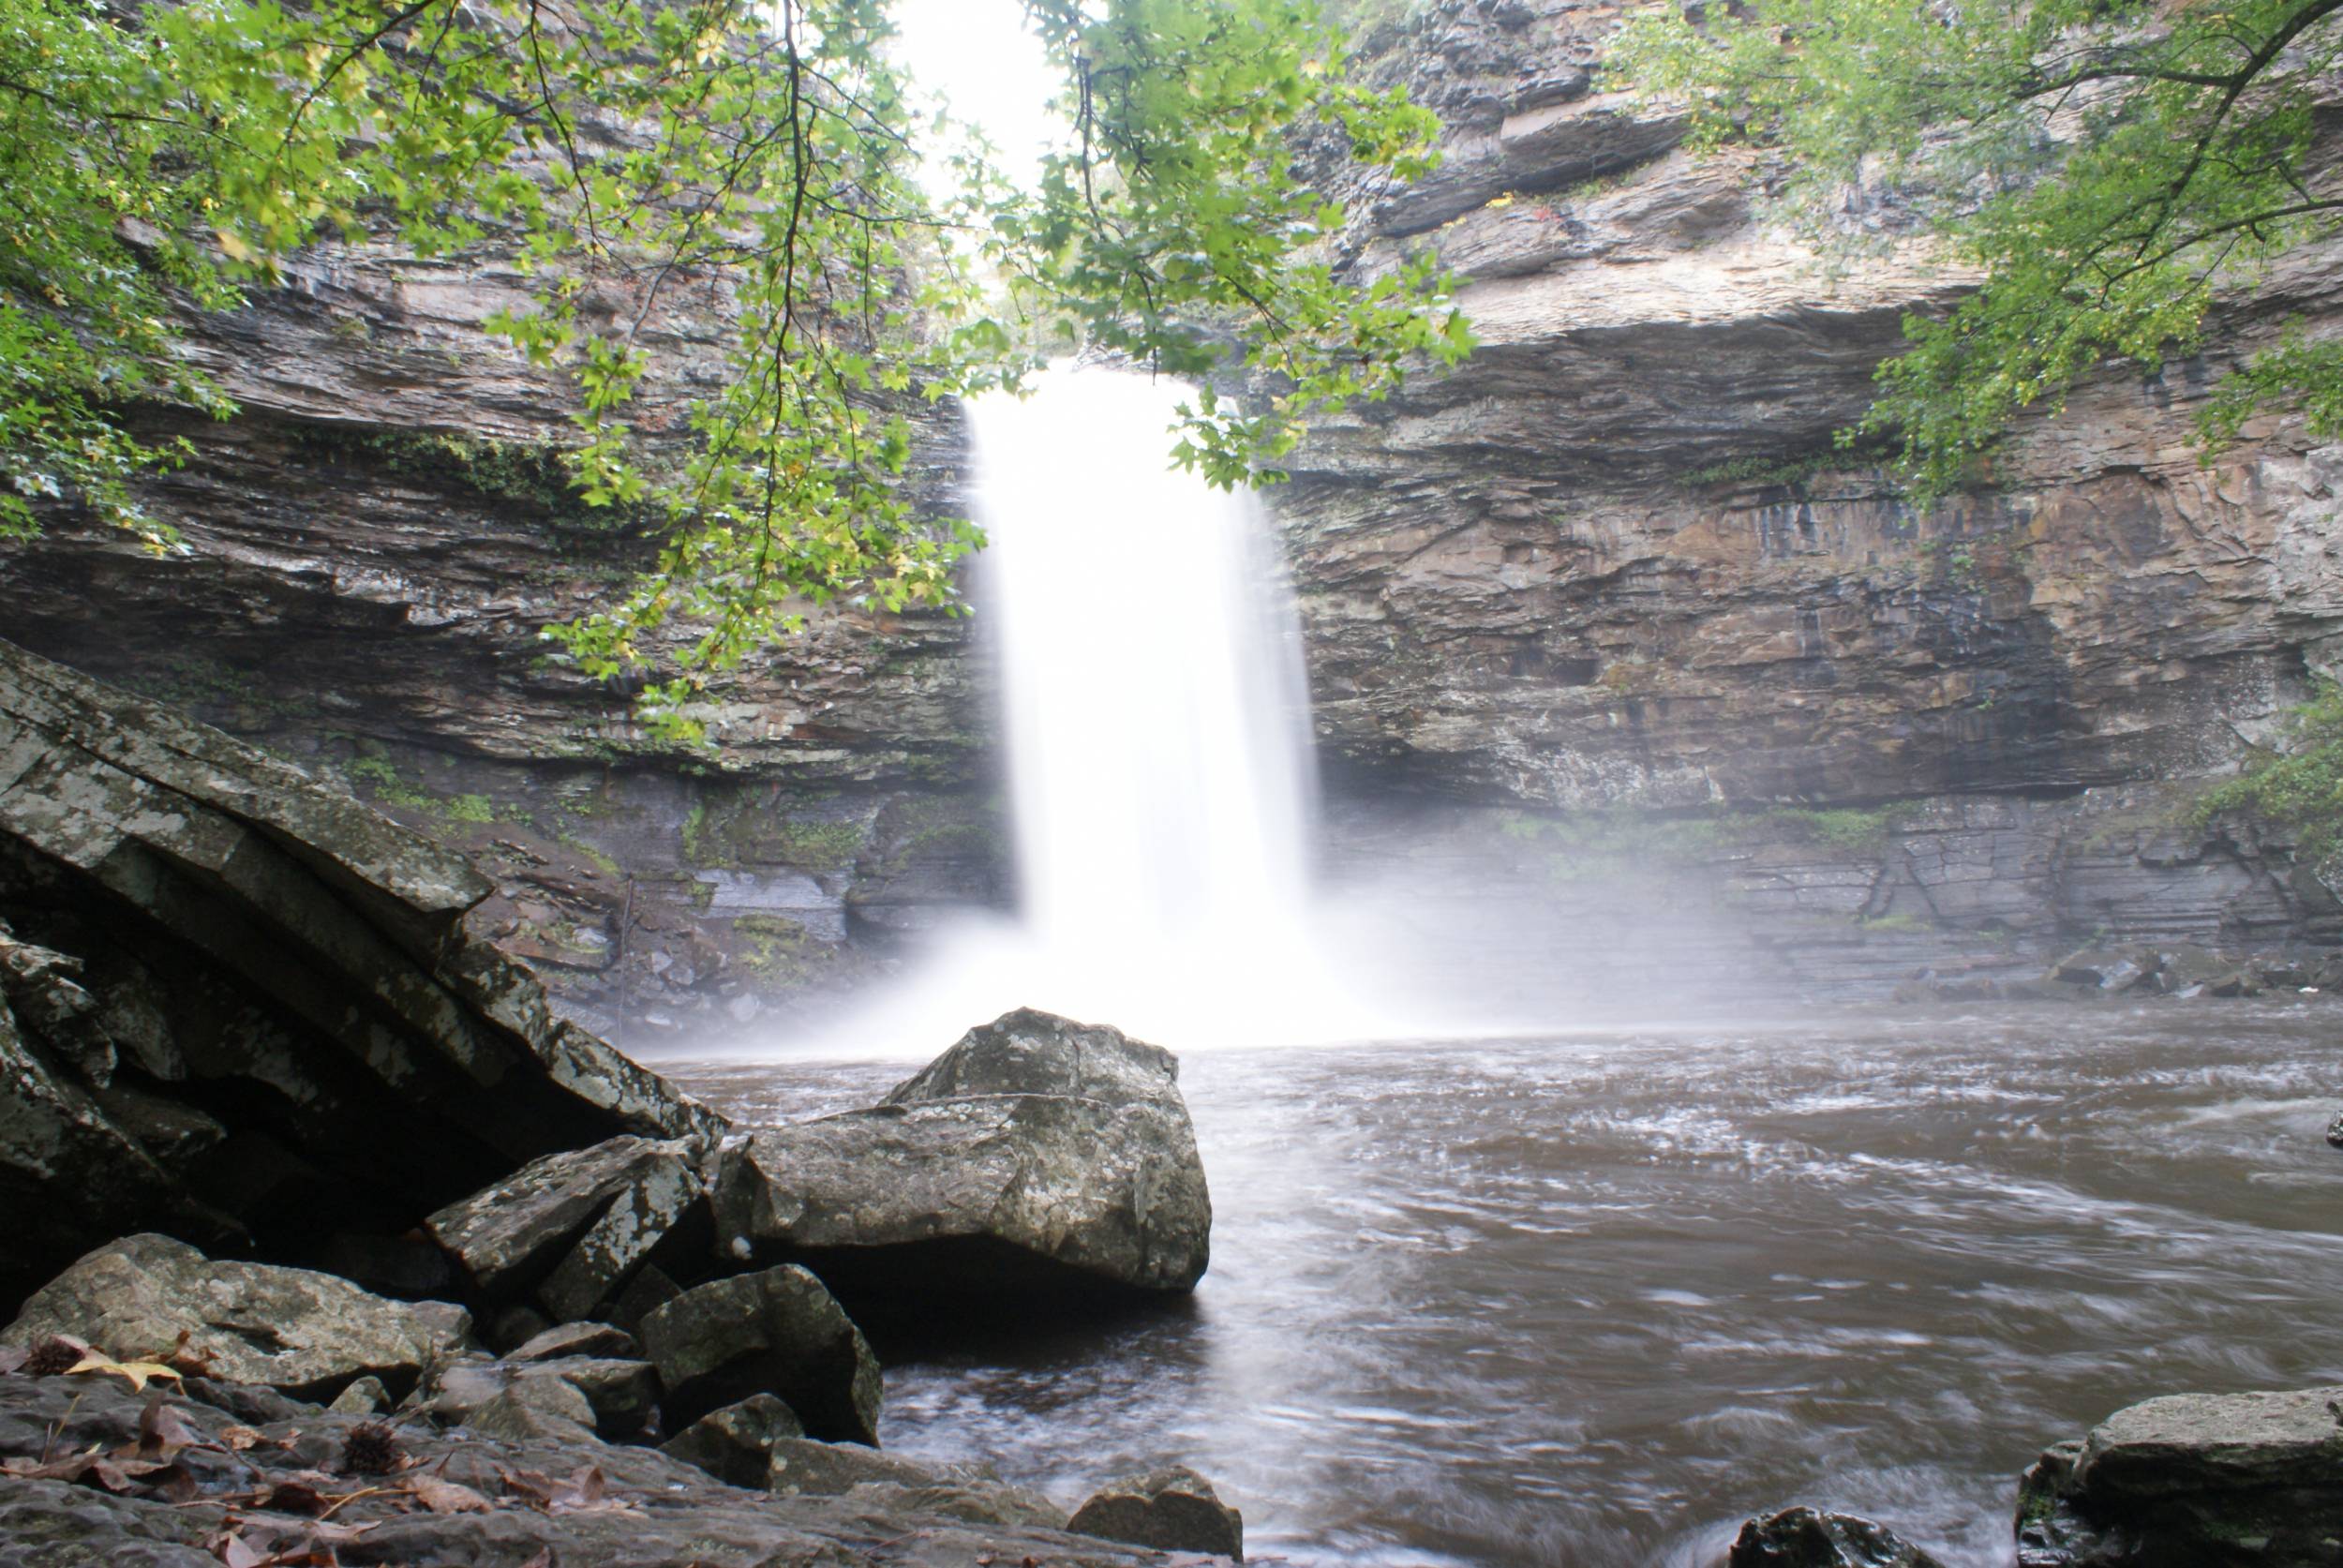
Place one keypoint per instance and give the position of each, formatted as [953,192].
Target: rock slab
[2200,1480]
[304,1333]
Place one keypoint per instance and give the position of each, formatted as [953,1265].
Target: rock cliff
[1612,564]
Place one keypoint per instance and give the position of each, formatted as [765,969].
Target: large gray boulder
[239,1006]
[774,1332]
[1173,1508]
[1036,1154]
[304,1333]
[2193,1481]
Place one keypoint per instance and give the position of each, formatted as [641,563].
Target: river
[1594,1299]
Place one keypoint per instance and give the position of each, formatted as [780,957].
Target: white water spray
[1157,728]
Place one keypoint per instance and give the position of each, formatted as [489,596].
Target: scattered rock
[865,1478]
[2192,1481]
[1808,1538]
[775,1332]
[942,1197]
[308,1335]
[2109,970]
[573,1223]
[2334,1130]
[1173,1508]
[735,1445]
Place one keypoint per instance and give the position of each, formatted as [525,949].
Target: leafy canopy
[2107,165]
[760,151]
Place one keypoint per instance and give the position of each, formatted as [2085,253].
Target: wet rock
[1808,1538]
[308,1335]
[2192,1481]
[2334,1130]
[1173,1508]
[735,1445]
[775,1332]
[571,1228]
[943,1197]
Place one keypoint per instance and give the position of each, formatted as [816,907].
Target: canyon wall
[1606,642]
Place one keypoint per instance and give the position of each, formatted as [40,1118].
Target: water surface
[1594,1300]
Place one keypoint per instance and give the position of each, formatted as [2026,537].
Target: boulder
[2200,1480]
[735,1445]
[775,1332]
[1808,1538]
[2109,969]
[306,1334]
[1173,1508]
[883,1484]
[1036,1155]
[1028,1052]
[239,1007]
[573,1228]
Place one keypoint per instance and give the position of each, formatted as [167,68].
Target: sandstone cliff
[1611,566]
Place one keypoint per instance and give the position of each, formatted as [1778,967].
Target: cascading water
[1157,737]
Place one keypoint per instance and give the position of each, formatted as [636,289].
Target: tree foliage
[2109,166]
[2301,786]
[624,151]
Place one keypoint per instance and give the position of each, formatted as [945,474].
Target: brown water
[1594,1300]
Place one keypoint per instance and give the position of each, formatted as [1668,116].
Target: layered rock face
[239,1006]
[372,548]
[1613,562]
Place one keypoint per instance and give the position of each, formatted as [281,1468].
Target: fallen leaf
[446,1497]
[545,1559]
[587,1492]
[239,1439]
[163,1430]
[138,1373]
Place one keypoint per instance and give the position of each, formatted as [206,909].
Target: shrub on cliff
[2108,166]
[758,150]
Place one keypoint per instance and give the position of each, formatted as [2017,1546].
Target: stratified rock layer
[260,1017]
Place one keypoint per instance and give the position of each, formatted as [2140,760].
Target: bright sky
[978,54]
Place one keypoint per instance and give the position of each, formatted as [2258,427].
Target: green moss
[603,863]
[2301,787]
[1790,468]
[697,843]
[777,952]
[815,847]
[470,808]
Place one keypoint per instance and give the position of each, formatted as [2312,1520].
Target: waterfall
[1151,677]
[1156,726]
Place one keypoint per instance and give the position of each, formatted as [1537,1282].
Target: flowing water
[1582,1299]
[1593,1300]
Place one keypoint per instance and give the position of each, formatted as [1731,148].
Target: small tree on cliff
[2109,166]
[622,150]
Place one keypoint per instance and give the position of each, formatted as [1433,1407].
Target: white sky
[978,54]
